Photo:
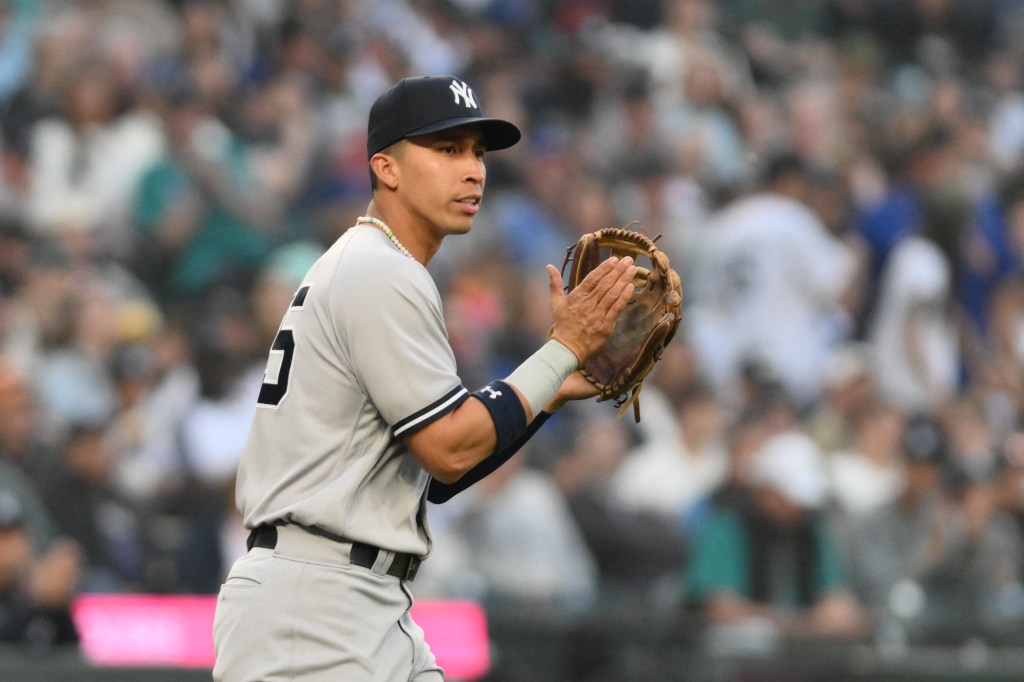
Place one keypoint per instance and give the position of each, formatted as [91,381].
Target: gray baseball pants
[301,611]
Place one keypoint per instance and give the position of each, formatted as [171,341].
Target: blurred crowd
[832,445]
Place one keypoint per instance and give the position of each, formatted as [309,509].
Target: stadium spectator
[937,560]
[887,192]
[84,505]
[914,334]
[86,162]
[25,459]
[847,387]
[15,49]
[526,545]
[1004,352]
[767,561]
[36,589]
[869,473]
[73,380]
[670,478]
[202,217]
[1009,479]
[639,552]
[211,435]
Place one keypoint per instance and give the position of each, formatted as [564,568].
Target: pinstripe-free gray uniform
[361,359]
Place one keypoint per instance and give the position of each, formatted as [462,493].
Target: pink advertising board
[133,630]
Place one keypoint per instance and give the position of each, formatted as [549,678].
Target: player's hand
[585,317]
[575,387]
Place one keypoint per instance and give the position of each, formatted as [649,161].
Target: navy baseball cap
[427,104]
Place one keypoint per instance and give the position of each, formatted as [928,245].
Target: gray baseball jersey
[361,359]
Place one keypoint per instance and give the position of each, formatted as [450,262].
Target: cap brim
[498,133]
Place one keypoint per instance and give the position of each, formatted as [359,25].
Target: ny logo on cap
[463,92]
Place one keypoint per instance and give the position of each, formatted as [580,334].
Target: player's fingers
[595,277]
[555,285]
[621,287]
[625,295]
[601,294]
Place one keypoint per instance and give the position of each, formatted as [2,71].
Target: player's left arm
[439,491]
[449,447]
[575,387]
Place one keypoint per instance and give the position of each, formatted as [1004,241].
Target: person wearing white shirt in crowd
[870,473]
[85,164]
[669,477]
[914,332]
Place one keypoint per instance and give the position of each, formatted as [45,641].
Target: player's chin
[460,223]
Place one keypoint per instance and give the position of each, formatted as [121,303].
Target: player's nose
[475,172]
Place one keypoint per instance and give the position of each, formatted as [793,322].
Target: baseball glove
[646,325]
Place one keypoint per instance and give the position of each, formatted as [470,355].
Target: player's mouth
[470,204]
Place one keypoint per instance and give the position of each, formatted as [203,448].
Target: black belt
[404,566]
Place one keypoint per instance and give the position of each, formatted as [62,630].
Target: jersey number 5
[275,384]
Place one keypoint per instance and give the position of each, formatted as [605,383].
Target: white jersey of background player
[768,289]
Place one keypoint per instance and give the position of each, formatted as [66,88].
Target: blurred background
[828,478]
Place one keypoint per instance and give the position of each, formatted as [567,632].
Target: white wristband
[541,375]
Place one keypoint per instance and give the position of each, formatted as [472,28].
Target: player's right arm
[455,444]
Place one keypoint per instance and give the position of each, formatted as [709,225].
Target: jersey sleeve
[395,335]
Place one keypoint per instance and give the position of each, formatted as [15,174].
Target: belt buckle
[412,569]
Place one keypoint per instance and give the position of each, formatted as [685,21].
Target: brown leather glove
[646,326]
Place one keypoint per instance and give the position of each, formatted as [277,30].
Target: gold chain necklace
[370,220]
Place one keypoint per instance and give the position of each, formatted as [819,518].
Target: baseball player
[362,418]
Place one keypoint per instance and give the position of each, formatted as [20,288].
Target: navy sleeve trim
[432,412]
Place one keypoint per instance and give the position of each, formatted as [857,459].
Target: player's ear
[385,167]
